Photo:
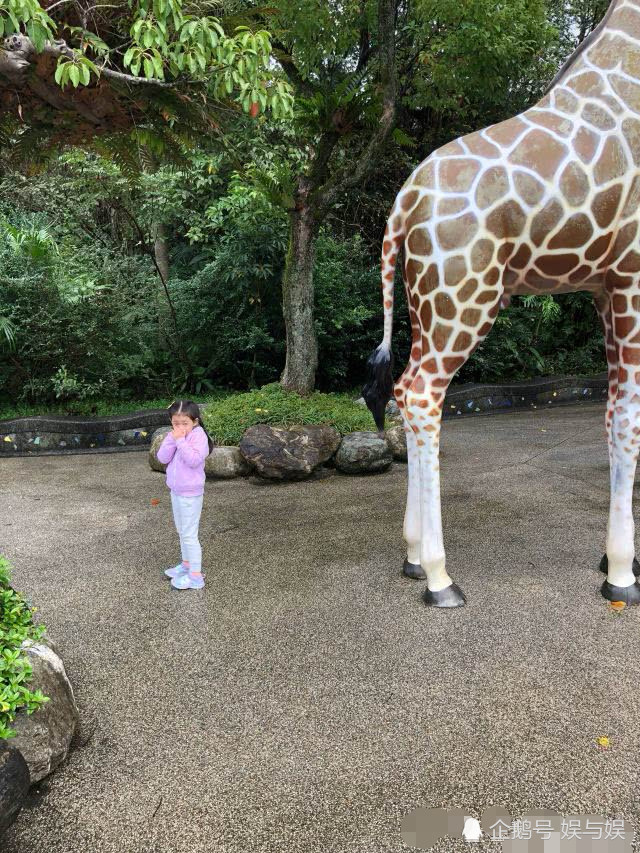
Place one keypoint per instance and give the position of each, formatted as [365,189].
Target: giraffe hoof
[414,570]
[628,594]
[450,596]
[604,566]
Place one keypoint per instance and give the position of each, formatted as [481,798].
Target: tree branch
[349,176]
[18,52]
[364,51]
[289,67]
[323,151]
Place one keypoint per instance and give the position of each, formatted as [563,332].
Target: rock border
[48,435]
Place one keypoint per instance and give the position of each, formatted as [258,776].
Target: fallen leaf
[603,741]
[617,605]
[154,501]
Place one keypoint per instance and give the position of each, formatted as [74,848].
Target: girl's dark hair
[191,410]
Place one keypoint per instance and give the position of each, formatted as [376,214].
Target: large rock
[288,454]
[44,736]
[397,441]
[156,440]
[391,409]
[363,453]
[225,463]
[14,783]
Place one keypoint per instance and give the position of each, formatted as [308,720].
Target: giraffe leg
[423,411]
[602,303]
[412,529]
[621,584]
[412,524]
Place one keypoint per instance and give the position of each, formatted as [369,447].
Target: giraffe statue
[545,202]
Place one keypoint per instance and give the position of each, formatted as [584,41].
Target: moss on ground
[226,420]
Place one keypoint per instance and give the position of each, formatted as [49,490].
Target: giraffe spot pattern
[565,101]
[455,269]
[506,132]
[456,233]
[546,118]
[507,220]
[557,265]
[627,91]
[467,290]
[588,84]
[574,184]
[575,232]
[545,221]
[605,205]
[537,203]
[478,145]
[612,162]
[419,242]
[631,132]
[481,255]
[539,151]
[457,175]
[585,144]
[528,188]
[493,185]
[450,206]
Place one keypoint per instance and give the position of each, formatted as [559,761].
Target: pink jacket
[184,459]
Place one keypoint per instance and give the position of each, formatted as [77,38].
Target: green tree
[355,68]
[80,69]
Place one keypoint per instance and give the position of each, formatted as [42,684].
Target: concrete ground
[308,700]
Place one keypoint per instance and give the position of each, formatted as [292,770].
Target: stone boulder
[397,441]
[363,453]
[391,409]
[44,736]
[225,463]
[288,454]
[14,783]
[156,440]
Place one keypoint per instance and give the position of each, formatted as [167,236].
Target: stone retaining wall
[54,434]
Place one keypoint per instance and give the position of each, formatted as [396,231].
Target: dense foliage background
[87,239]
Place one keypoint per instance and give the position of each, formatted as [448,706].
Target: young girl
[184,450]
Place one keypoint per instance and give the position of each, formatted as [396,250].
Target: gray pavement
[308,699]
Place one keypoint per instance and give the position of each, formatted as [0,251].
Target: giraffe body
[545,202]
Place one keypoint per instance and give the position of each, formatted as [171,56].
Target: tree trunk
[297,302]
[161,252]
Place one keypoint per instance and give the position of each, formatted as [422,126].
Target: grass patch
[226,420]
[98,408]
[16,626]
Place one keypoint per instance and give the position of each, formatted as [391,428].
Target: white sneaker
[180,569]
[188,581]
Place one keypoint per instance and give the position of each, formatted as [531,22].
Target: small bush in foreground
[227,420]
[16,626]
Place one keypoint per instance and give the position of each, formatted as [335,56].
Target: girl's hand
[178,432]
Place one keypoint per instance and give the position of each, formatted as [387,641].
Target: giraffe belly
[538,285]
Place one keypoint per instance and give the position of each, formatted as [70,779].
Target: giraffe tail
[378,389]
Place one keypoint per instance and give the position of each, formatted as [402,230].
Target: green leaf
[59,72]
[74,75]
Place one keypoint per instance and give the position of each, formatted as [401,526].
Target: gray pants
[186,514]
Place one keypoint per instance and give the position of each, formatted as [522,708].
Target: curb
[528,394]
[52,435]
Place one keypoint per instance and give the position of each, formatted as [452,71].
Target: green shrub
[16,626]
[227,419]
[101,407]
